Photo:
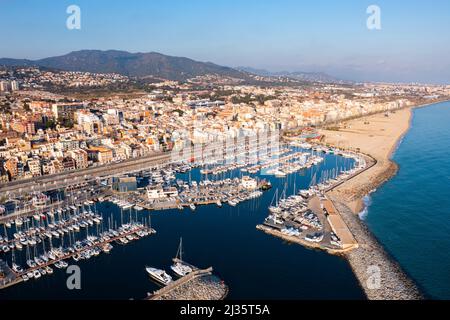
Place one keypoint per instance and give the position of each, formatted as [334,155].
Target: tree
[67,123]
[6,107]
[180,112]
[50,124]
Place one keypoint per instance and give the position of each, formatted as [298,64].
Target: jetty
[369,257]
[9,277]
[200,284]
[309,218]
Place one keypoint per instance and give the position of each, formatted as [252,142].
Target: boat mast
[180,250]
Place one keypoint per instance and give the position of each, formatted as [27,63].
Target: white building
[14,85]
[249,183]
[155,192]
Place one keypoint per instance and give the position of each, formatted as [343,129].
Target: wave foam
[367,201]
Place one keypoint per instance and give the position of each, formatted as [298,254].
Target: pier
[7,276]
[13,278]
[200,284]
[310,219]
[231,191]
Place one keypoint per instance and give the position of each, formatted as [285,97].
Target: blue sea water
[253,264]
[410,214]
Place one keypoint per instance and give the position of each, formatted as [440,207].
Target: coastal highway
[65,179]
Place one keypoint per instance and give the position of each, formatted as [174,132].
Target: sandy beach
[377,136]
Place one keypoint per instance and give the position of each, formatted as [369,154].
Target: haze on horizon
[285,35]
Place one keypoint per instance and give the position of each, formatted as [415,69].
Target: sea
[410,214]
[253,264]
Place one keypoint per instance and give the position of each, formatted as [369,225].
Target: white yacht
[232,203]
[275,209]
[179,267]
[192,206]
[159,275]
[280,174]
[107,248]
[36,274]
[48,270]
[17,268]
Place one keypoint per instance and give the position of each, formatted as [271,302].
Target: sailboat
[275,208]
[179,267]
[17,268]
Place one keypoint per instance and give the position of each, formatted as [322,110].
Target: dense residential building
[102,155]
[66,111]
[80,157]
[12,168]
[68,164]
[34,166]
[45,133]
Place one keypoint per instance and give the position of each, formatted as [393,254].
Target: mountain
[155,65]
[258,72]
[297,75]
[150,64]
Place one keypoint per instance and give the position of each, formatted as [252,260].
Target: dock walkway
[15,278]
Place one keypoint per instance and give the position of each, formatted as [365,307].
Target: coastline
[377,136]
[385,168]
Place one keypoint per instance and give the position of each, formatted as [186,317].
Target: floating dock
[9,278]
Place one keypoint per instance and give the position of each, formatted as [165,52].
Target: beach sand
[376,136]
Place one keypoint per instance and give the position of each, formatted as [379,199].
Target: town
[82,170]
[43,133]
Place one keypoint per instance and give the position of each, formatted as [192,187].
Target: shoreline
[378,273]
[393,168]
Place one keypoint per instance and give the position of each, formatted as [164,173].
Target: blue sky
[322,35]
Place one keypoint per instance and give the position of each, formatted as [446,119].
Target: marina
[75,233]
[284,151]
[192,283]
[214,200]
[309,218]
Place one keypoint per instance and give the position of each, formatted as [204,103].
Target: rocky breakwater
[377,272]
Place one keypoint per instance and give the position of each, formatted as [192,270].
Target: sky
[413,44]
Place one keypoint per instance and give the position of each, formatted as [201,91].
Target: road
[65,179]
